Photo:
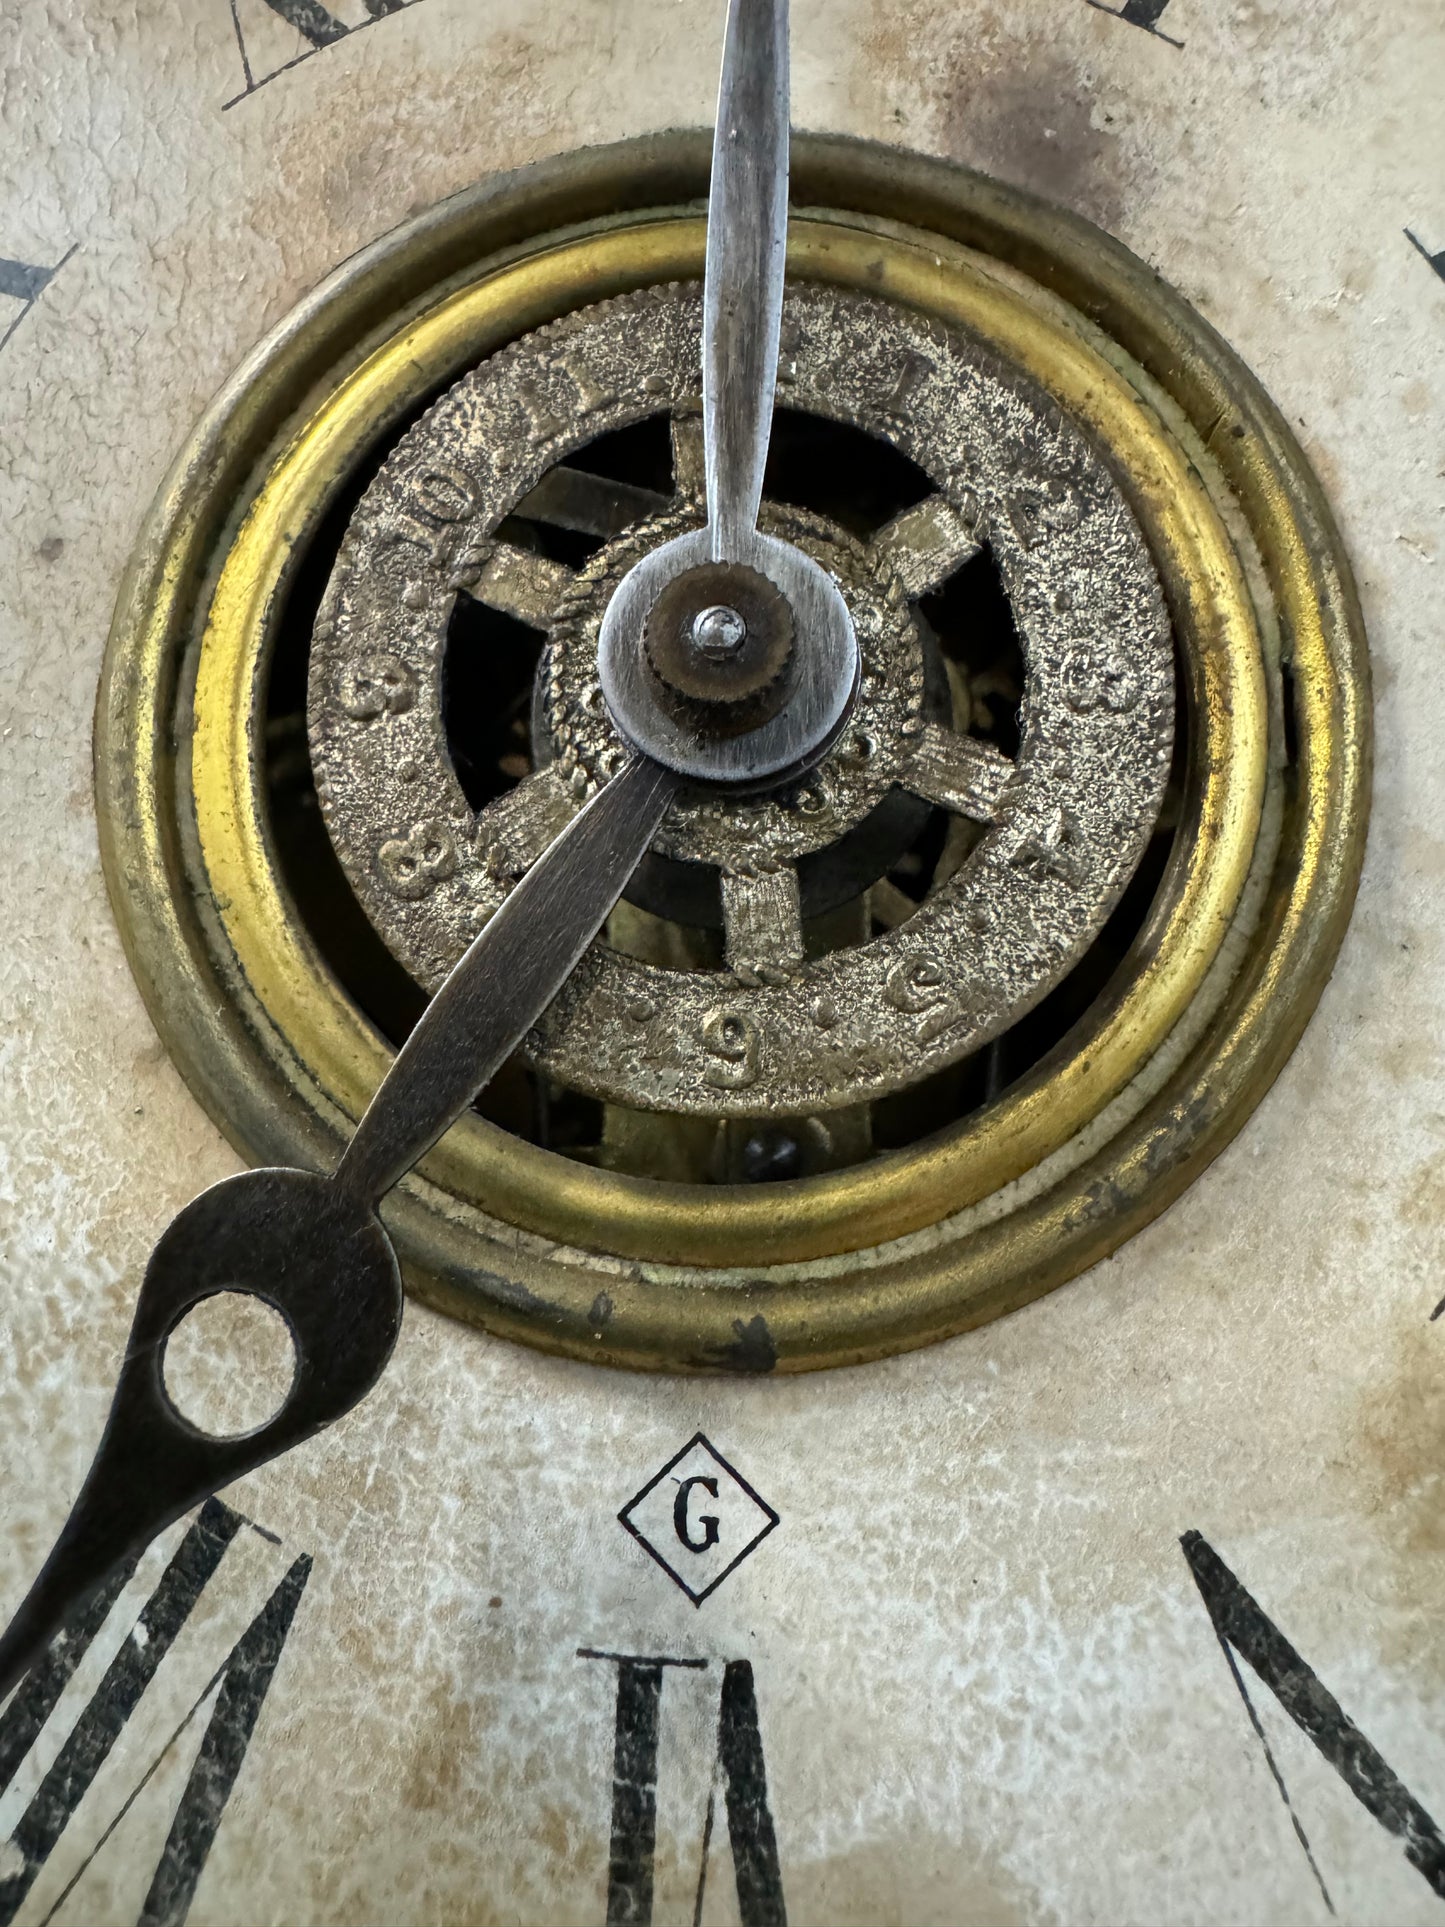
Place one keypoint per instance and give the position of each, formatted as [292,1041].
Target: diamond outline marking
[773,1517]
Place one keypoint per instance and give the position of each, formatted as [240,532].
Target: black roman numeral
[751,1834]
[1244,1628]
[1437,262]
[316,24]
[1140,13]
[244,1678]
[22,281]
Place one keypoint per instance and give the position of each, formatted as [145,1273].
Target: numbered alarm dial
[780,1031]
[350,358]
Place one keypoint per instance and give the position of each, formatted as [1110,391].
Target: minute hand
[747,236]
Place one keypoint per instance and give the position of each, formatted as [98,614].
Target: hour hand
[312,1247]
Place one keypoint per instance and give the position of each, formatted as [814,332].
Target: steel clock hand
[747,238]
[740,616]
[509,975]
[312,1247]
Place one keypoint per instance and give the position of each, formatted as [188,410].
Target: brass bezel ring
[920,1243]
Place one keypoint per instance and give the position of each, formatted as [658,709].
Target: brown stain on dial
[1422,1206]
[1399,1454]
[941,1878]
[1038,129]
[1013,106]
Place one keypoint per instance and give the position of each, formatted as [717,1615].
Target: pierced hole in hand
[229,1364]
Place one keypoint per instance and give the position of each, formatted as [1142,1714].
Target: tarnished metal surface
[831,801]
[267,984]
[506,978]
[780,745]
[742,304]
[1067,825]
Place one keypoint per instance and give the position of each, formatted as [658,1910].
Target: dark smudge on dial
[1038,131]
[1012,107]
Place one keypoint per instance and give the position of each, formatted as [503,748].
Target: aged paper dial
[1114,1608]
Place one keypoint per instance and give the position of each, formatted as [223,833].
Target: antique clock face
[917,1397]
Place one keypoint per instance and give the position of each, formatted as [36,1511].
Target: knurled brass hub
[732,691]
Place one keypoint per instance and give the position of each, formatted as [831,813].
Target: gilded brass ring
[915,1244]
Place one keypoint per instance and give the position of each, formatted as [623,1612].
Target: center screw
[718,632]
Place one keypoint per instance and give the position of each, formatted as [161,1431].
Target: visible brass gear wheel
[861,1064]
